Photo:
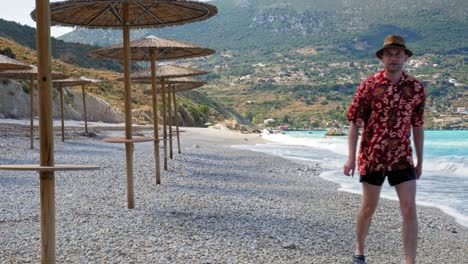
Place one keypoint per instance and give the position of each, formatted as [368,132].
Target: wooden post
[128,105]
[46,138]
[155,118]
[163,96]
[84,109]
[176,118]
[61,113]
[31,113]
[169,108]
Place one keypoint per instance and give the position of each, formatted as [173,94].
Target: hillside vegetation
[300,61]
[194,108]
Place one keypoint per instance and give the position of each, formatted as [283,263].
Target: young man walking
[388,106]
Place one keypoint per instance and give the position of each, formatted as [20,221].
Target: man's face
[393,59]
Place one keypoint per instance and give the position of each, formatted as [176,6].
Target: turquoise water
[443,184]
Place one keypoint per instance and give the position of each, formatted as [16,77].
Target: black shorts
[394,177]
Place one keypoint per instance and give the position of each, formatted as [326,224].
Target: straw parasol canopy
[7,63]
[69,82]
[176,82]
[84,78]
[164,49]
[187,86]
[142,13]
[30,73]
[167,71]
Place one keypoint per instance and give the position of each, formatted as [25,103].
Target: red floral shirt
[386,113]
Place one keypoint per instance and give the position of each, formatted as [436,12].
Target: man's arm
[350,165]
[418,137]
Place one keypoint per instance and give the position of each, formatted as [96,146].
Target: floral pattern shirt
[386,113]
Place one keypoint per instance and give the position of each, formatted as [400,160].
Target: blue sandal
[359,259]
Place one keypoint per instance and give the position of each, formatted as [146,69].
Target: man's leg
[370,199]
[407,194]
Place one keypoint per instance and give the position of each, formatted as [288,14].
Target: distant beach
[216,204]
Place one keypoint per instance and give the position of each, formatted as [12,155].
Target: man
[387,105]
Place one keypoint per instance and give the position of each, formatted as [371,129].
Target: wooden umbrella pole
[31,112]
[84,108]
[61,113]
[163,96]
[169,111]
[46,139]
[176,116]
[155,118]
[128,106]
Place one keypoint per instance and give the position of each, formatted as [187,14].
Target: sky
[19,10]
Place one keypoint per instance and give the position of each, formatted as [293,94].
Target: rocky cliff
[14,103]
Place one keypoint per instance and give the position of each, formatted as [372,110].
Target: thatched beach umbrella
[7,63]
[60,84]
[176,84]
[154,49]
[31,75]
[47,165]
[164,72]
[124,14]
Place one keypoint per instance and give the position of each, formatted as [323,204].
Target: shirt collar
[381,77]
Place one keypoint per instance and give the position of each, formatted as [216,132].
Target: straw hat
[393,41]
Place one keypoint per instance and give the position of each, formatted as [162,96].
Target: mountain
[352,27]
[299,62]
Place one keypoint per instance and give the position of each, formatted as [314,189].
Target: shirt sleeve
[417,118]
[359,110]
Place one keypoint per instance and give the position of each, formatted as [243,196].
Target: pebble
[230,206]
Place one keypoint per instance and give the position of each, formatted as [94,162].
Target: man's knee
[408,210]
[368,209]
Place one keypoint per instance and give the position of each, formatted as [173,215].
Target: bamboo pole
[163,96]
[84,108]
[176,118]
[170,118]
[128,106]
[155,118]
[61,113]
[31,112]
[46,139]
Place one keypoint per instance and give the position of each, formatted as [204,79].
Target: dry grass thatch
[165,71]
[7,63]
[84,78]
[29,74]
[164,49]
[174,81]
[142,13]
[168,71]
[70,82]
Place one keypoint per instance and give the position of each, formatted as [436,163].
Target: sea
[443,184]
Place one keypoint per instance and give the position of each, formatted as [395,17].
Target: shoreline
[216,204]
[344,185]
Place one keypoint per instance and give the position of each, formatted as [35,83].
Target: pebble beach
[216,204]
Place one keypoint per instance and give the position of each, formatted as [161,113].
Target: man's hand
[349,167]
[418,170]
